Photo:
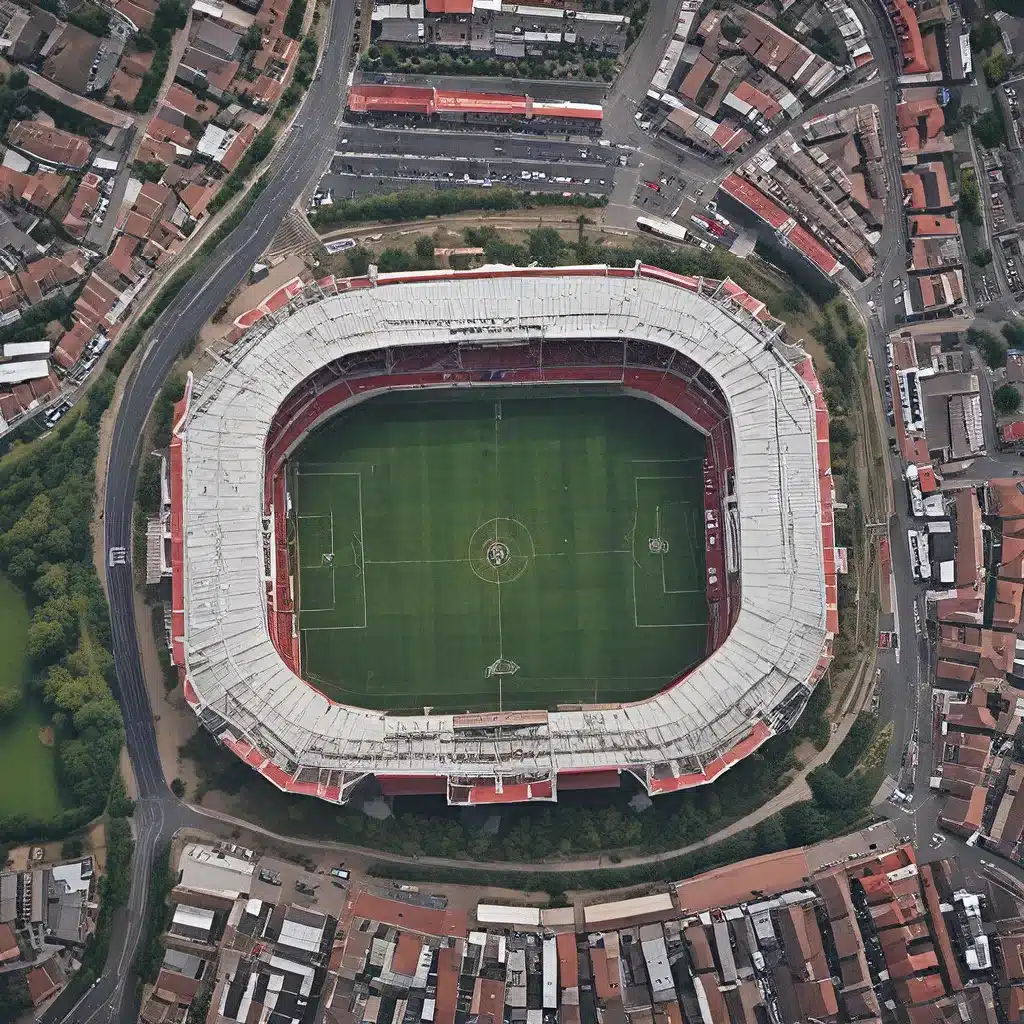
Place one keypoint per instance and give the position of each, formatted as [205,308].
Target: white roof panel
[765,663]
[28,369]
[17,349]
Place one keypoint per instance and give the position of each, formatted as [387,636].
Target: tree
[992,349]
[981,257]
[424,247]
[996,67]
[1014,334]
[149,170]
[989,129]
[970,195]
[804,824]
[253,38]
[546,247]
[46,643]
[72,847]
[14,997]
[1006,399]
[985,35]
[178,788]
[91,19]
[18,80]
[358,261]
[393,260]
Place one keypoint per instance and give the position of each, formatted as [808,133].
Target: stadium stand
[703,349]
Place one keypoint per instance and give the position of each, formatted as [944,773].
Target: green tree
[993,349]
[14,997]
[253,38]
[1006,399]
[90,18]
[178,787]
[293,19]
[981,257]
[970,196]
[996,67]
[424,248]
[985,35]
[546,247]
[394,260]
[358,261]
[990,129]
[149,170]
[1014,334]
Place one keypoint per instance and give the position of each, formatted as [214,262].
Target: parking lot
[370,161]
[353,176]
[355,140]
[325,896]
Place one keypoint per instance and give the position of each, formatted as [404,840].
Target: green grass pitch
[472,553]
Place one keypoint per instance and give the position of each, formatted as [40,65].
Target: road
[306,148]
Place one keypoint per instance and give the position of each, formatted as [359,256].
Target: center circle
[500,550]
[498,554]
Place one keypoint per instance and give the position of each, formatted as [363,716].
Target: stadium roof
[406,99]
[721,711]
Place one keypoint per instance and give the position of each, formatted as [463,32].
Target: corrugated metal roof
[773,649]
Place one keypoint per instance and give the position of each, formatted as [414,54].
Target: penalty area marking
[332,563]
[632,564]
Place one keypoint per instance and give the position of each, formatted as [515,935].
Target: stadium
[502,533]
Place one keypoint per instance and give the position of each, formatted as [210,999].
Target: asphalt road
[159,814]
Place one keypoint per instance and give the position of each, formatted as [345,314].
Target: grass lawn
[28,769]
[471,553]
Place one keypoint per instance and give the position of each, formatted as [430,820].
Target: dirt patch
[128,776]
[46,736]
[96,846]
[804,751]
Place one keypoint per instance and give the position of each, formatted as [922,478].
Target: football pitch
[499,552]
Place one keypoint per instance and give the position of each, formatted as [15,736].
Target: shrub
[1006,399]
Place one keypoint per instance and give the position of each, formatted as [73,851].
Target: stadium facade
[705,350]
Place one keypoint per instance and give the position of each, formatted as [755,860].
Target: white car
[897,283]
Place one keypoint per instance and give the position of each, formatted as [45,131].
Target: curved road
[304,152]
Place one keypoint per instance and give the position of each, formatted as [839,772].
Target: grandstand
[704,350]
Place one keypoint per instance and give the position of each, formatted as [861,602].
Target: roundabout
[500,550]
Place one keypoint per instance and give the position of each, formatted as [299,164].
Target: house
[69,61]
[84,206]
[49,145]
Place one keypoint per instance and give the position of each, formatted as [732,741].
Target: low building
[49,145]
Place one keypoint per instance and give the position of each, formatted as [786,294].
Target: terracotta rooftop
[51,145]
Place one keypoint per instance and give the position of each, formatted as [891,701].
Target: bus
[662,228]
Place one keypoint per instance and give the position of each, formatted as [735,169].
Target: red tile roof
[51,145]
[71,345]
[451,922]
